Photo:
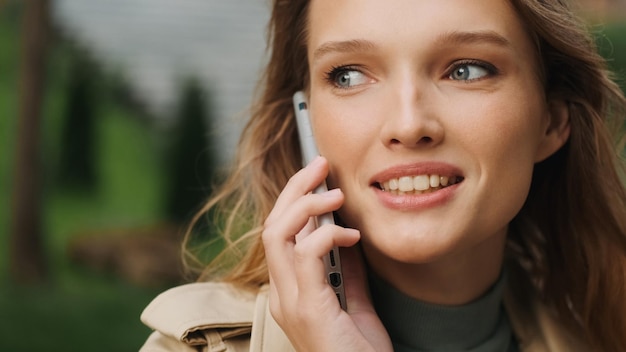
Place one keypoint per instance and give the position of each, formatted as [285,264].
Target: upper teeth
[417,183]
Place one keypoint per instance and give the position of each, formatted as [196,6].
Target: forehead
[412,21]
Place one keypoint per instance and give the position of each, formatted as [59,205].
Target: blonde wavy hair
[567,245]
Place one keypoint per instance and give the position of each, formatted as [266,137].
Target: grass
[88,313]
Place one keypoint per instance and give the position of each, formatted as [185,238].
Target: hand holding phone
[332,262]
[299,300]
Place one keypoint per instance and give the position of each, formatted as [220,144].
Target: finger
[303,182]
[279,237]
[360,305]
[294,218]
[309,267]
[285,275]
[308,228]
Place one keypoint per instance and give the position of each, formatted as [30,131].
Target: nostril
[425,140]
[422,141]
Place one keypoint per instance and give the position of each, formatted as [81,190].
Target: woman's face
[440,95]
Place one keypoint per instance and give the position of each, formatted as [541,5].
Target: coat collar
[183,312]
[186,313]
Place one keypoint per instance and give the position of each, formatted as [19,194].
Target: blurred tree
[77,169]
[27,259]
[192,157]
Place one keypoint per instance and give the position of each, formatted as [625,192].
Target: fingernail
[316,161]
[354,232]
[336,192]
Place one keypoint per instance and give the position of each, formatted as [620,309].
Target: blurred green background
[116,190]
[111,220]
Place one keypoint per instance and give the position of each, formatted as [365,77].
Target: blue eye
[346,77]
[469,72]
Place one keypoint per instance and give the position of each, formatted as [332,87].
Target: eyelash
[491,69]
[331,75]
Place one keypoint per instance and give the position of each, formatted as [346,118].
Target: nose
[413,120]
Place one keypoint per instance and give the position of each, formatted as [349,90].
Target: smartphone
[332,262]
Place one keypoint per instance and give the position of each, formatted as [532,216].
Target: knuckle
[268,221]
[268,234]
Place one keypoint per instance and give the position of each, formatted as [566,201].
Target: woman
[503,107]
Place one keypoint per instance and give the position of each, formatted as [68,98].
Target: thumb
[355,279]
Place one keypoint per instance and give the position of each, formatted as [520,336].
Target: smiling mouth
[421,184]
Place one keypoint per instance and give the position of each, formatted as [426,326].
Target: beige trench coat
[216,317]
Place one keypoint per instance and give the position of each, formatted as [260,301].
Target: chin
[411,248]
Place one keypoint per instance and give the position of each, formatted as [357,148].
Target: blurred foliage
[77,164]
[77,310]
[192,157]
[8,124]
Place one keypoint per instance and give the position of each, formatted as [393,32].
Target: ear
[557,129]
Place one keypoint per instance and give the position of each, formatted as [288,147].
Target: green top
[479,326]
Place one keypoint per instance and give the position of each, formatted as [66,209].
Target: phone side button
[332,258]
[335,279]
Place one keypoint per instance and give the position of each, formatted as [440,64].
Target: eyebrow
[448,38]
[347,46]
[476,37]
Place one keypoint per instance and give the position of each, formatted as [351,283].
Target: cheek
[330,129]
[339,122]
[505,143]
[507,129]
[343,134]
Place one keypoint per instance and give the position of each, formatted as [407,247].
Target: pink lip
[425,168]
[416,201]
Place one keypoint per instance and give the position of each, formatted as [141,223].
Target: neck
[455,279]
